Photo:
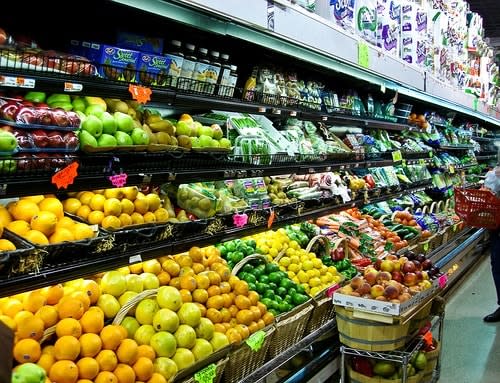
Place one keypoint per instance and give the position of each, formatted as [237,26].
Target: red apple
[71,140]
[40,138]
[59,117]
[404,297]
[410,279]
[408,267]
[377,291]
[24,162]
[387,265]
[392,257]
[419,275]
[377,264]
[74,119]
[397,276]
[8,111]
[55,140]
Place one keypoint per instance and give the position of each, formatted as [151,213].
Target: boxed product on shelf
[117,63]
[414,39]
[389,26]
[153,69]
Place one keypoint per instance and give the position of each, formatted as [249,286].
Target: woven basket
[432,361]
[219,372]
[356,377]
[243,361]
[369,335]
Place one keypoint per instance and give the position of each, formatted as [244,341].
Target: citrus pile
[117,207]
[234,251]
[40,220]
[273,242]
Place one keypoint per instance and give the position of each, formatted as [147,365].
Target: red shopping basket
[478,208]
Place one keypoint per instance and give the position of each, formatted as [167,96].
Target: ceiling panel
[490,11]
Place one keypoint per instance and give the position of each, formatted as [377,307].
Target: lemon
[294,245]
[290,274]
[285,262]
[302,276]
[332,270]
[264,249]
[273,252]
[315,291]
[290,252]
[314,282]
[317,263]
[294,267]
[307,265]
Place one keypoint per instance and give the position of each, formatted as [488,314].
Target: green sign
[256,340]
[426,246]
[475,103]
[363,55]
[206,375]
[397,156]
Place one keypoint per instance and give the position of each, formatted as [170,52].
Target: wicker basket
[356,377]
[243,361]
[369,335]
[432,361]
[219,372]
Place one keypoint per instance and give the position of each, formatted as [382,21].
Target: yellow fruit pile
[117,207]
[40,220]
[272,242]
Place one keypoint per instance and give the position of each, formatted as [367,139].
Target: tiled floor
[471,348]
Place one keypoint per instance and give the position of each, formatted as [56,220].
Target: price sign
[256,340]
[65,176]
[332,289]
[363,55]
[428,338]
[72,87]
[426,246]
[397,156]
[118,180]
[240,220]
[422,162]
[139,93]
[475,103]
[451,169]
[271,218]
[17,82]
[206,375]
[442,281]
[135,258]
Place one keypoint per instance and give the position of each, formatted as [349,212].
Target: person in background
[492,182]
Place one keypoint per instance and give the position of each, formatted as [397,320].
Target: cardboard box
[153,69]
[118,63]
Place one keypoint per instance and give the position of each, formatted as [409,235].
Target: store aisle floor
[471,352]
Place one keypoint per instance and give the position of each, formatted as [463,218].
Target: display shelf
[487,158]
[288,354]
[456,147]
[484,139]
[122,256]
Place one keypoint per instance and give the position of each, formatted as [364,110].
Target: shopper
[492,182]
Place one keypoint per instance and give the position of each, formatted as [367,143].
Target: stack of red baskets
[478,208]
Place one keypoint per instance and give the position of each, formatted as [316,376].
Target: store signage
[65,176]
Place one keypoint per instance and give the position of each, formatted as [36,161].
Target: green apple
[131,325]
[93,125]
[205,329]
[95,110]
[108,123]
[184,128]
[205,131]
[195,142]
[35,96]
[79,105]
[87,139]
[217,131]
[143,334]
[107,140]
[134,283]
[163,343]
[58,97]
[8,166]
[205,141]
[67,106]
[224,143]
[202,349]
[139,136]
[215,143]
[8,141]
[123,139]
[29,373]
[183,358]
[166,320]
[124,122]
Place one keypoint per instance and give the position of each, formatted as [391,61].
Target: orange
[212,258]
[92,320]
[53,293]
[215,302]
[127,206]
[82,231]
[127,351]
[91,288]
[90,345]
[157,378]
[149,217]
[202,281]
[68,326]
[214,315]
[255,312]
[9,322]
[111,222]
[244,317]
[143,368]
[46,361]
[65,223]
[23,210]
[48,314]
[83,211]
[233,309]
[164,278]
[226,314]
[111,336]
[215,278]
[268,318]
[125,219]
[214,291]
[137,218]
[186,295]
[254,297]
[5,217]
[184,260]
[188,282]
[171,267]
[198,267]
[63,371]
[70,308]
[175,282]
[49,349]
[262,308]
[88,368]
[5,244]
[242,302]
[67,347]
[95,217]
[233,335]
[196,254]
[124,373]
[12,307]
[53,205]
[215,265]
[97,202]
[83,297]
[61,235]
[19,227]
[200,295]
[233,279]
[123,331]
[106,377]
[45,222]
[212,251]
[22,315]
[219,327]
[107,360]
[31,327]
[253,327]
[141,205]
[243,330]
[228,300]
[146,351]
[224,273]
[241,288]
[261,324]
[71,205]
[225,287]
[27,351]
[203,309]
[33,301]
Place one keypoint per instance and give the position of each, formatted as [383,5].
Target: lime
[261,288]
[269,294]
[283,307]
[282,292]
[251,243]
[267,302]
[298,299]
[231,264]
[250,278]
[272,267]
[273,286]
[286,283]
[248,268]
[300,289]
[292,290]
[274,312]
[230,246]
[288,299]
[275,277]
[278,299]
[222,249]
[264,278]
[252,286]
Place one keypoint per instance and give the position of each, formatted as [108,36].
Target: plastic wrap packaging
[389,26]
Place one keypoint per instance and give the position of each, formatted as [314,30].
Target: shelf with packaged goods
[123,255]
[274,26]
[487,158]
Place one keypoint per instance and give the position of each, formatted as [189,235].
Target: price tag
[135,258]
[426,246]
[475,103]
[442,281]
[428,338]
[293,113]
[118,180]
[451,169]
[422,162]
[363,55]
[256,340]
[206,375]
[65,176]
[332,289]
[240,220]
[139,93]
[17,82]
[72,87]
[431,154]
[271,218]
[382,88]
[397,156]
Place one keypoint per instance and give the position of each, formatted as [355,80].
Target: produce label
[65,176]
[332,289]
[17,82]
[426,246]
[443,280]
[240,220]
[363,55]
[397,156]
[206,375]
[72,87]
[428,338]
[256,340]
[141,94]
[270,220]
[118,180]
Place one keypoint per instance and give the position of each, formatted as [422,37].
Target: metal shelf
[487,158]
